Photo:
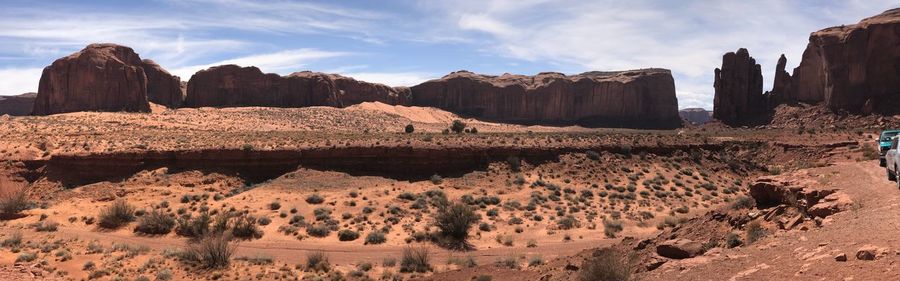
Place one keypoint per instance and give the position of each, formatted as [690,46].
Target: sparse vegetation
[317,261]
[605,265]
[155,222]
[454,222]
[116,215]
[415,259]
[13,201]
[458,126]
[210,251]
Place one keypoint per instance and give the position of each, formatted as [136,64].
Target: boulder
[868,252]
[847,66]
[638,98]
[738,89]
[831,204]
[679,248]
[19,105]
[232,85]
[101,77]
[162,88]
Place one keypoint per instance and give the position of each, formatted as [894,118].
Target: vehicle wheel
[891,175]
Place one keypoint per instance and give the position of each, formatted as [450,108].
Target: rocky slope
[17,105]
[638,98]
[101,77]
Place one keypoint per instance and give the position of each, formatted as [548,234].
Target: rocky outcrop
[781,87]
[20,105]
[738,89]
[232,85]
[851,66]
[162,88]
[695,115]
[817,202]
[638,98]
[101,77]
[679,248]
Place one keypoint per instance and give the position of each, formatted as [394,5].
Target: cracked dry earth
[873,222]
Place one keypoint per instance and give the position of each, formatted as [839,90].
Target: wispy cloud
[14,81]
[391,78]
[282,62]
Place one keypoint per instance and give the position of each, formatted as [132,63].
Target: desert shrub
[317,261]
[415,259]
[509,261]
[436,179]
[347,235]
[14,239]
[467,262]
[244,227]
[46,226]
[755,231]
[318,230]
[535,261]
[315,199]
[14,201]
[454,222]
[375,238]
[605,265]
[568,222]
[264,221]
[611,227]
[116,214]
[515,164]
[742,202]
[732,240]
[593,155]
[193,226]
[257,259]
[210,251]
[155,222]
[275,205]
[409,129]
[484,278]
[26,257]
[458,126]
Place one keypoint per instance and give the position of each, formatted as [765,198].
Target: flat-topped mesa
[19,105]
[853,67]
[101,77]
[637,98]
[738,89]
[232,86]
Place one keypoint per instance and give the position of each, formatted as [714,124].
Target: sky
[405,42]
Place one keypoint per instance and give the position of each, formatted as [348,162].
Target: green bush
[375,238]
[315,199]
[454,222]
[155,222]
[317,261]
[458,126]
[116,214]
[347,235]
[14,201]
[244,227]
[409,129]
[318,230]
[211,251]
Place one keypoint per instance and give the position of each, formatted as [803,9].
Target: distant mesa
[696,116]
[849,68]
[637,98]
[103,77]
[109,77]
[19,105]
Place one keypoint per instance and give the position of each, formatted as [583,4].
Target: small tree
[409,129]
[454,222]
[458,126]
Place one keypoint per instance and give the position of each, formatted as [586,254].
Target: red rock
[101,77]
[738,89]
[162,88]
[679,249]
[846,66]
[17,105]
[231,85]
[780,92]
[638,98]
[695,115]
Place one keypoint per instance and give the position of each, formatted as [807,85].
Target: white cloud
[16,81]
[391,78]
[282,62]
[688,37]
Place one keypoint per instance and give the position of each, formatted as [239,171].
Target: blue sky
[407,42]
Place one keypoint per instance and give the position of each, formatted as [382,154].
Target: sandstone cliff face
[20,105]
[101,77]
[738,89]
[781,88]
[162,88]
[231,85]
[850,66]
[639,98]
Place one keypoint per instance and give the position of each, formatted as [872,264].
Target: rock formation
[101,77]
[695,115]
[232,85]
[780,92]
[162,88]
[738,89]
[638,98]
[19,105]
[850,66]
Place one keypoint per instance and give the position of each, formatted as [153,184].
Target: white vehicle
[892,161]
